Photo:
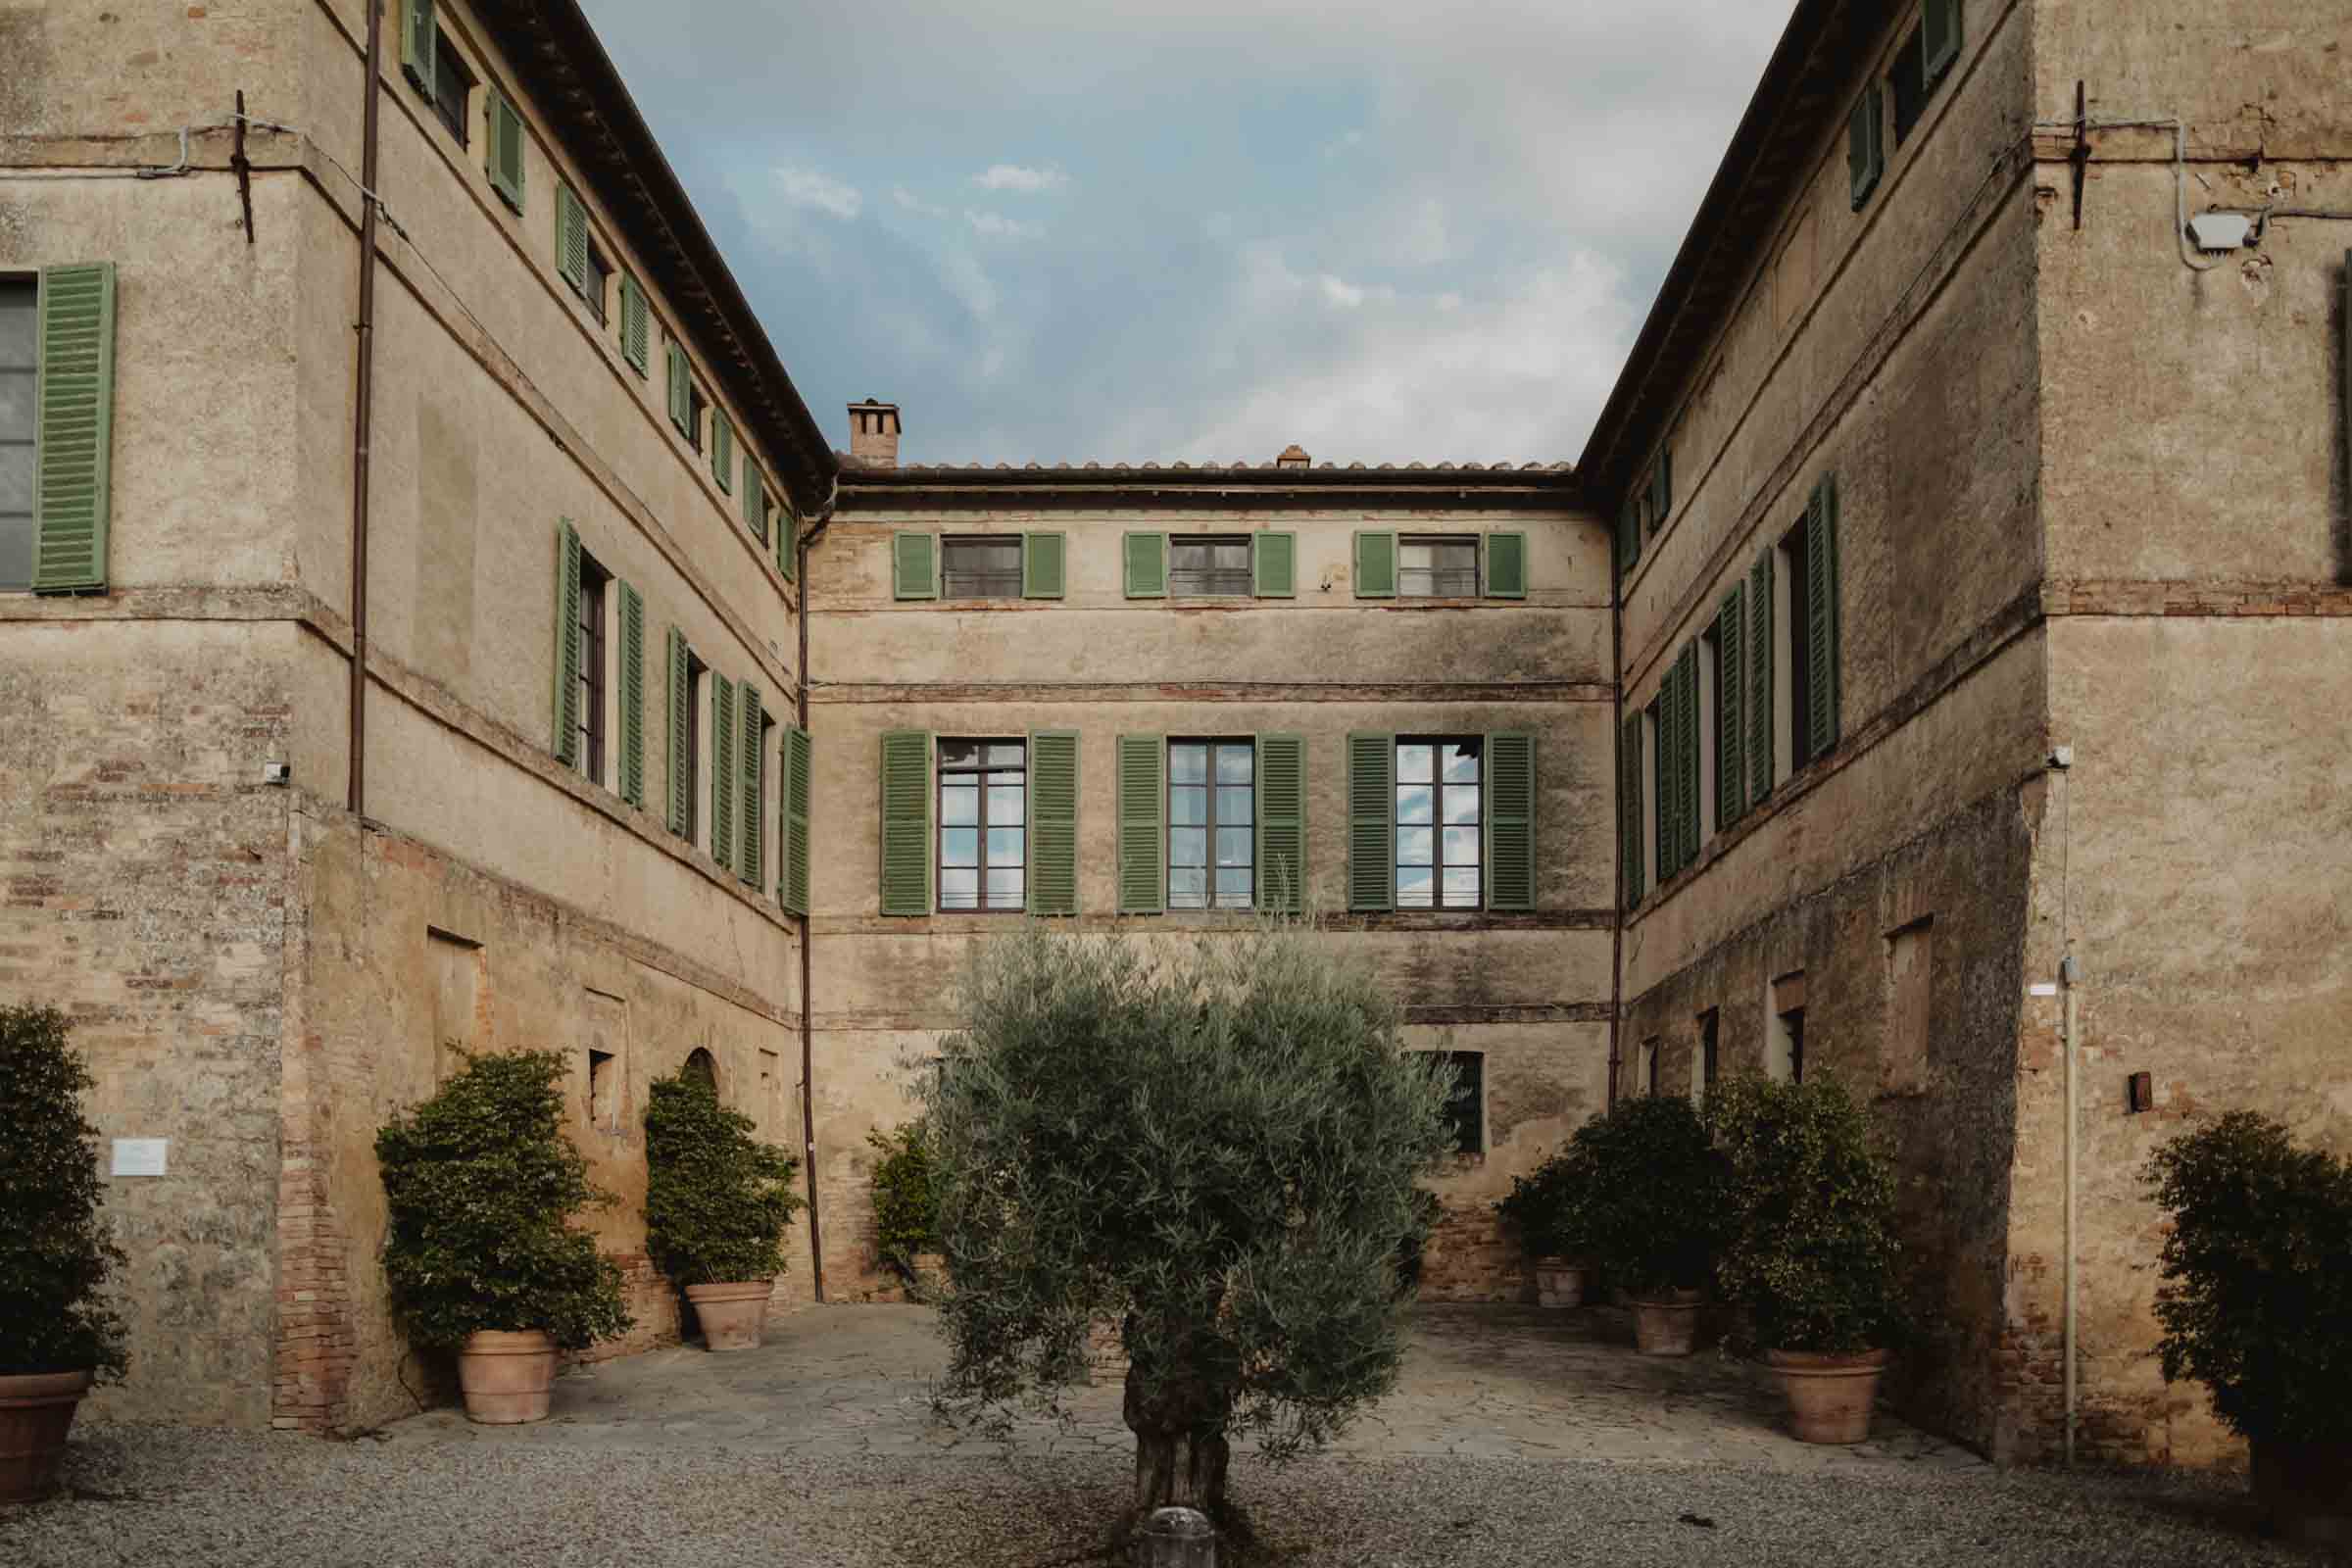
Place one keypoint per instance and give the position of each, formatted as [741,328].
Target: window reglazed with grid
[593,582]
[19,374]
[1210,567]
[1213,812]
[1436,566]
[983,825]
[1438,822]
[987,567]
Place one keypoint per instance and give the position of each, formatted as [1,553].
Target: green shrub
[906,1201]
[1641,1196]
[2256,1295]
[716,1198]
[55,1246]
[481,1184]
[1541,1207]
[1810,1252]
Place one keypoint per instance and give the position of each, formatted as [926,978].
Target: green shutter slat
[571,238]
[1041,556]
[722,769]
[418,40]
[1274,564]
[1865,155]
[503,152]
[1142,768]
[1670,772]
[750,834]
[632,696]
[1629,538]
[793,889]
[634,330]
[680,385]
[1507,566]
[1689,715]
[1820,674]
[1731,709]
[906,822]
[677,696]
[1657,849]
[1281,823]
[1939,39]
[1375,564]
[1371,820]
[1054,822]
[913,565]
[1146,560]
[1629,825]
[722,451]
[752,496]
[1759,679]
[1510,820]
[568,644]
[788,539]
[74,426]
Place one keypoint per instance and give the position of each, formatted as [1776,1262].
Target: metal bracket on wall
[244,168]
[2081,156]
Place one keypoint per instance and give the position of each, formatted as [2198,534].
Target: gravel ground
[151,1496]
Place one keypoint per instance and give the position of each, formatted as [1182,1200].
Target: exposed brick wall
[1469,1258]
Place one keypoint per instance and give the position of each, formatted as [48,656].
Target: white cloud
[1340,292]
[806,188]
[995,226]
[1015,177]
[915,204]
[1344,144]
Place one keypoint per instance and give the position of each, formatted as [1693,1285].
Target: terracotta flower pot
[2305,1489]
[36,1411]
[1666,1325]
[731,1313]
[1559,1283]
[506,1376]
[1830,1396]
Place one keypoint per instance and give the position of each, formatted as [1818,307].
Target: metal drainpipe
[2069,975]
[364,420]
[817,1251]
[1617,793]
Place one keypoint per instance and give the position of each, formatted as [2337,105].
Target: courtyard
[1516,1437]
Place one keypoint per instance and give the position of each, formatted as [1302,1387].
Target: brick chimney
[874,434]
[1294,455]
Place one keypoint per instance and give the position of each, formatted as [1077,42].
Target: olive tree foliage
[1208,1146]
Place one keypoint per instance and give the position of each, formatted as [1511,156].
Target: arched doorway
[703,1068]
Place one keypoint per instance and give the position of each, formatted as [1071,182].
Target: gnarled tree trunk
[1180,1453]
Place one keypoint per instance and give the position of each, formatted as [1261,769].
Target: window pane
[1462,803]
[1413,845]
[1188,846]
[1413,886]
[1188,764]
[1234,764]
[1414,556]
[1007,754]
[959,890]
[1230,556]
[1413,804]
[959,804]
[1233,890]
[1005,891]
[960,846]
[958,753]
[1461,887]
[1187,805]
[1461,846]
[1233,845]
[1233,806]
[1005,805]
[1004,846]
[1461,762]
[1187,890]
[1413,763]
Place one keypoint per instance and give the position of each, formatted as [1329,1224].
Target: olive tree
[1209,1145]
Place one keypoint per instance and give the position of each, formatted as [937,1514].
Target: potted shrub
[1810,1255]
[1642,1189]
[481,1257]
[56,1334]
[1540,1210]
[2255,1302]
[716,1203]
[906,1205]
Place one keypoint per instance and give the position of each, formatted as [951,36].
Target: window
[1431,566]
[1909,959]
[593,581]
[695,405]
[453,88]
[981,569]
[1209,568]
[1465,1108]
[703,1068]
[1654,821]
[1211,810]
[1438,859]
[1706,1061]
[19,338]
[1651,1051]
[983,825]
[1785,1044]
[598,280]
[1710,736]
[756,500]
[691,793]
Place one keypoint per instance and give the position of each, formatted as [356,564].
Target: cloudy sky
[1199,230]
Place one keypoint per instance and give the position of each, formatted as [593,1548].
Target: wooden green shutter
[1042,564]
[1939,39]
[751,836]
[419,55]
[1820,674]
[906,821]
[1281,823]
[634,332]
[1143,802]
[722,451]
[722,769]
[503,147]
[1510,820]
[1629,825]
[1760,696]
[1371,820]
[1731,716]
[788,539]
[914,566]
[1669,773]
[752,499]
[1629,538]
[1274,565]
[568,644]
[1507,566]
[1375,564]
[1661,489]
[571,238]
[1658,845]
[74,426]
[1866,145]
[679,695]
[1146,560]
[632,696]
[1687,787]
[792,889]
[681,386]
[1054,822]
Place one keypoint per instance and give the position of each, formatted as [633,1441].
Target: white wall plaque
[2043,988]
[140,1156]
